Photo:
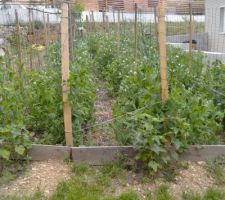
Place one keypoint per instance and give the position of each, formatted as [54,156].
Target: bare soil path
[194,178]
[43,176]
[103,135]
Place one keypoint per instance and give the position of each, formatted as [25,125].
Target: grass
[88,183]
[217,169]
[211,194]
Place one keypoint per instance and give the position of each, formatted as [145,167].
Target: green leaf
[177,144]
[174,155]
[20,150]
[5,154]
[156,148]
[165,159]
[153,165]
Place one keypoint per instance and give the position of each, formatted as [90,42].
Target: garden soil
[41,176]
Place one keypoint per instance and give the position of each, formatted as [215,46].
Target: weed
[103,180]
[38,195]
[214,194]
[211,194]
[217,169]
[80,169]
[113,170]
[129,195]
[161,193]
[191,196]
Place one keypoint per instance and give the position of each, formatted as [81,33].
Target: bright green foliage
[192,115]
[32,102]
[15,140]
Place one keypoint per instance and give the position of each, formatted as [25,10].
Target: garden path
[103,135]
[41,176]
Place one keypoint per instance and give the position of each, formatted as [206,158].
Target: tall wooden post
[162,51]
[65,75]
[190,35]
[135,32]
[18,44]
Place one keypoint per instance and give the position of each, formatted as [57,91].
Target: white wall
[7,16]
[216,39]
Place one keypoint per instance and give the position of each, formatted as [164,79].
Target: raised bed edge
[99,155]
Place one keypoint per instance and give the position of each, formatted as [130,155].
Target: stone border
[102,154]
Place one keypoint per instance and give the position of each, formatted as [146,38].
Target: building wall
[128,5]
[216,40]
[91,5]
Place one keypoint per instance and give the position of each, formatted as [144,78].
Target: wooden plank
[40,152]
[67,111]
[162,51]
[203,152]
[101,155]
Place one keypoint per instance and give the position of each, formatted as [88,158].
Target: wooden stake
[107,24]
[190,35]
[135,32]
[18,43]
[87,23]
[93,20]
[65,75]
[48,29]
[70,34]
[118,32]
[103,20]
[45,32]
[31,32]
[162,51]
[156,28]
